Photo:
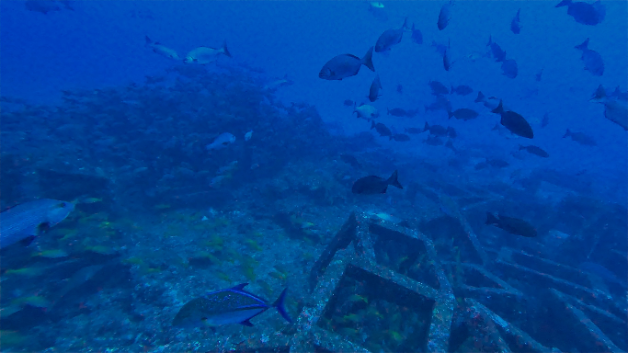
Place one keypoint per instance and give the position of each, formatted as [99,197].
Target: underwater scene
[314,176]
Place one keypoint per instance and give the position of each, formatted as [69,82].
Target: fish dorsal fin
[240,287]
[247,323]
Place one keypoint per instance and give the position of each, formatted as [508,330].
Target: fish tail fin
[426,127]
[225,49]
[490,41]
[599,95]
[584,45]
[387,110]
[499,109]
[281,307]
[449,113]
[522,147]
[393,180]
[567,133]
[148,40]
[405,24]
[490,219]
[564,3]
[480,97]
[372,124]
[367,60]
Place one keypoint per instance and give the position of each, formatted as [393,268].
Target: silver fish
[161,50]
[228,306]
[206,55]
[24,222]
[616,109]
[223,140]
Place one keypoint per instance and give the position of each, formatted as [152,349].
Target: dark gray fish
[373,184]
[545,120]
[436,130]
[451,132]
[440,48]
[351,160]
[441,103]
[538,151]
[449,144]
[348,102]
[585,13]
[376,85]
[515,24]
[511,225]
[462,90]
[580,138]
[600,271]
[498,54]
[45,6]
[497,163]
[228,306]
[417,37]
[381,129]
[398,112]
[24,222]
[509,68]
[390,38]
[346,65]
[447,60]
[438,88]
[463,114]
[514,122]
[592,60]
[444,16]
[401,137]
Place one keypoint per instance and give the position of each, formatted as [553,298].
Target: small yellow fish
[28,271]
[91,200]
[36,301]
[253,245]
[352,318]
[358,298]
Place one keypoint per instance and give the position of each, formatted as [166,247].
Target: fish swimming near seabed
[223,140]
[24,222]
[228,306]
[511,225]
[374,184]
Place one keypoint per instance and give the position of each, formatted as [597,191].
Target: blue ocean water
[195,173]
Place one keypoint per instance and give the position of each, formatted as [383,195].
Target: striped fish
[228,306]
[23,222]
